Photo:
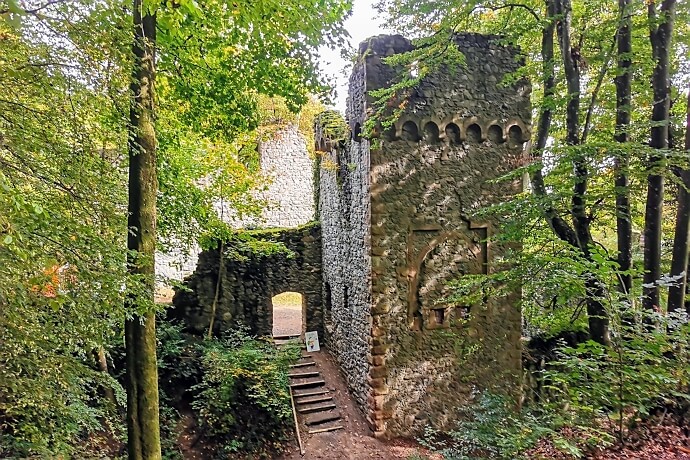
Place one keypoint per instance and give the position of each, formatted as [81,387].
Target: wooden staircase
[315,407]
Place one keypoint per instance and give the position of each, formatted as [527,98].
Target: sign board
[312,341]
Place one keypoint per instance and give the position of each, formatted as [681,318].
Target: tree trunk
[140,331]
[596,313]
[622,162]
[598,322]
[679,262]
[559,226]
[102,365]
[660,39]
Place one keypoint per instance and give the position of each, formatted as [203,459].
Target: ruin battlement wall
[413,358]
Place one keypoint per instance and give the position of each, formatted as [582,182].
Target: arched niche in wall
[473,133]
[431,133]
[495,134]
[515,134]
[357,132]
[410,132]
[452,133]
[389,134]
[436,256]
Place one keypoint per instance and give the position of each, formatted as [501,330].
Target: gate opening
[288,314]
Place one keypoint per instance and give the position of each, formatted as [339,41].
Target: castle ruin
[395,225]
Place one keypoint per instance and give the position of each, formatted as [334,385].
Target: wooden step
[311,383]
[303,375]
[329,428]
[321,408]
[285,337]
[314,400]
[321,417]
[309,393]
[310,363]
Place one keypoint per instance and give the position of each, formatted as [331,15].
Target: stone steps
[308,383]
[320,418]
[302,375]
[310,392]
[313,400]
[315,407]
[329,426]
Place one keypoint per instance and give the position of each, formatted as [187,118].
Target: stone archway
[289,312]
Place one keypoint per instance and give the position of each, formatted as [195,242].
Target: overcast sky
[363,24]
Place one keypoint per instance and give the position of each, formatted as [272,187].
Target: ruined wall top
[479,98]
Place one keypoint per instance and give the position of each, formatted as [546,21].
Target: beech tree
[660,33]
[143,432]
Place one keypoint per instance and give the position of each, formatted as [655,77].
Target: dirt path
[355,441]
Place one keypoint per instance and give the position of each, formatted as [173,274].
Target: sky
[363,24]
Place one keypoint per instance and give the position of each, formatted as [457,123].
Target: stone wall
[287,163]
[249,280]
[344,215]
[289,166]
[424,182]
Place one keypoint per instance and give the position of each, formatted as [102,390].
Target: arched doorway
[288,314]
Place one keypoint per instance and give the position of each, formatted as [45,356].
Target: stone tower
[397,226]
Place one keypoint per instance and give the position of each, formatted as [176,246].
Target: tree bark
[660,39]
[623,83]
[102,365]
[598,322]
[596,313]
[559,226]
[140,331]
[679,262]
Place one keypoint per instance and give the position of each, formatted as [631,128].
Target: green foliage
[65,70]
[243,398]
[62,231]
[644,368]
[492,428]
[332,125]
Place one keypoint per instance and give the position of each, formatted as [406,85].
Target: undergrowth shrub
[607,388]
[493,428]
[243,399]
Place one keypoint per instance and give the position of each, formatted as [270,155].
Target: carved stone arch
[451,131]
[524,130]
[495,131]
[442,125]
[473,130]
[416,257]
[430,130]
[407,129]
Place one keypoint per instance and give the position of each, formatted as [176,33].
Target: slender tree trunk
[622,162]
[559,226]
[679,262]
[102,365]
[598,323]
[660,39]
[596,313]
[140,331]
